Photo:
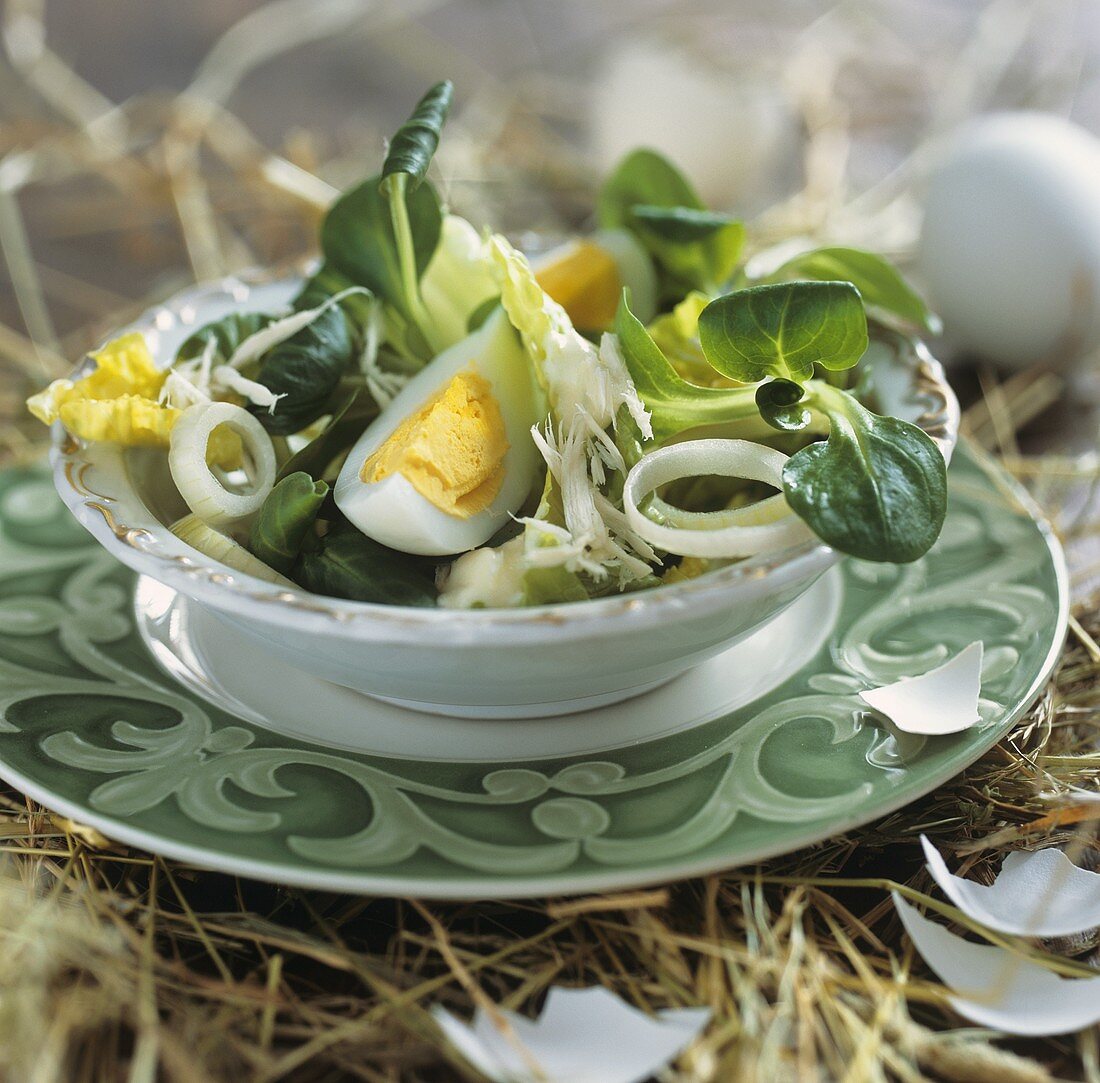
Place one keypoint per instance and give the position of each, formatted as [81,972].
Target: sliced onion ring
[731,533]
[204,494]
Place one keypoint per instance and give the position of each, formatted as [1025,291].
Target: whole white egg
[731,131]
[392,510]
[1010,243]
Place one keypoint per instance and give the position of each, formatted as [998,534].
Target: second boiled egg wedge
[449,460]
[586,277]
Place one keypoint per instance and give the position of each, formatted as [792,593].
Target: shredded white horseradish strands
[258,343]
[227,378]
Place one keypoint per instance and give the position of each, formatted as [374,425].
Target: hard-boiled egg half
[586,277]
[451,457]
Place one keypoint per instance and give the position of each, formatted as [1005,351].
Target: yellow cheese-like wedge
[451,450]
[585,281]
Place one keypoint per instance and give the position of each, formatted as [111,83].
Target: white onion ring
[203,492]
[733,533]
[191,530]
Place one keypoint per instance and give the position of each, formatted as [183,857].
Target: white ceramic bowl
[486,663]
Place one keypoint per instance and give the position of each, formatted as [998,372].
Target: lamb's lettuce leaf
[783,330]
[876,488]
[285,519]
[383,233]
[674,404]
[693,247]
[414,145]
[345,563]
[305,370]
[877,280]
[228,333]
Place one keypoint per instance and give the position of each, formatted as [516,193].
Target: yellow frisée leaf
[534,314]
[46,404]
[134,421]
[117,403]
[130,420]
[123,367]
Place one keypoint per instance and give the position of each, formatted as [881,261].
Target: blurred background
[145,144]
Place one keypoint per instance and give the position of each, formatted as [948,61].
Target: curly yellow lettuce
[117,403]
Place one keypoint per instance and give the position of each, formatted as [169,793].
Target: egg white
[391,511]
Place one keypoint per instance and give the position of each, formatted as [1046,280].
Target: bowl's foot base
[527,710]
[237,675]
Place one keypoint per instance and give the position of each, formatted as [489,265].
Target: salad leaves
[660,442]
[783,330]
[693,247]
[287,516]
[348,564]
[675,405]
[414,145]
[228,333]
[878,281]
[358,240]
[876,488]
[305,370]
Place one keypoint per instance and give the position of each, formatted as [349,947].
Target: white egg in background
[1010,243]
[730,129]
[392,511]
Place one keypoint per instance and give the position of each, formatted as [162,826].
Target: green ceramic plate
[673,784]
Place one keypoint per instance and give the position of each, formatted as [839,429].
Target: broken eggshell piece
[944,700]
[1035,894]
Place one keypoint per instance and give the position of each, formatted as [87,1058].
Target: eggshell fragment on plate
[1035,894]
[944,700]
[998,989]
[582,1036]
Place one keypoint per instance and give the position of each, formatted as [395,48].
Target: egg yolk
[451,450]
[585,281]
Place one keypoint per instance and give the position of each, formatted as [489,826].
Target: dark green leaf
[326,283]
[228,332]
[784,330]
[284,520]
[876,488]
[780,405]
[348,564]
[306,369]
[642,177]
[340,434]
[697,249]
[412,148]
[674,404]
[693,248]
[876,279]
[357,239]
[680,225]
